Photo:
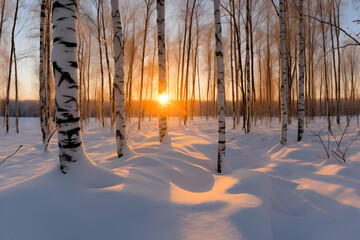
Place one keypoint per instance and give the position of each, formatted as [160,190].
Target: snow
[172,191]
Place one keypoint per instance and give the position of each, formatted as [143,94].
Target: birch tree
[160,7]
[283,139]
[220,85]
[64,59]
[248,115]
[42,70]
[301,73]
[119,78]
[12,49]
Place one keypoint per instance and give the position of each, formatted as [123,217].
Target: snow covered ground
[173,191]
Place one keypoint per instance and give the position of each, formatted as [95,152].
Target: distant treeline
[31,108]
[28,108]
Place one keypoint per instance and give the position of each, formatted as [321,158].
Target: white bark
[119,78]
[42,71]
[301,73]
[160,7]
[221,87]
[283,139]
[64,58]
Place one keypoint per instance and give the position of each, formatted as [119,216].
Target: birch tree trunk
[283,139]
[248,115]
[64,61]
[301,73]
[119,78]
[48,66]
[42,70]
[7,103]
[160,7]
[220,85]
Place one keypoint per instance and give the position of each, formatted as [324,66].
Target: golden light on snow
[163,99]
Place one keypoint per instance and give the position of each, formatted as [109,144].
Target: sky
[27,42]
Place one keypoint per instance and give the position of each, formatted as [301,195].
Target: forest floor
[172,191]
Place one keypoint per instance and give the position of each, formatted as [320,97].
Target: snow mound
[171,190]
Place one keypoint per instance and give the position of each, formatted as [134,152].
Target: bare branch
[277,11]
[48,140]
[333,25]
[11,154]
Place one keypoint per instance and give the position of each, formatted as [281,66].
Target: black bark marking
[66,77]
[69,142]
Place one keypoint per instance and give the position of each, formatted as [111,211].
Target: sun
[163,99]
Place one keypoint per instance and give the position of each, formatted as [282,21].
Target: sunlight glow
[163,99]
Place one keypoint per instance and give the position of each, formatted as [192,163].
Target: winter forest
[179,119]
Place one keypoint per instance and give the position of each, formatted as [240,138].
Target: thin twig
[11,154]
[351,142]
[336,157]
[339,28]
[321,141]
[277,11]
[48,140]
[347,125]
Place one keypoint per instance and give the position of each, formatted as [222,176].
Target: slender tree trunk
[253,98]
[248,86]
[80,65]
[119,79]
[130,74]
[88,109]
[183,62]
[242,78]
[152,74]
[188,62]
[288,62]
[337,33]
[209,75]
[48,67]
[196,50]
[12,49]
[301,73]
[102,110]
[283,73]
[232,69]
[221,86]
[178,72]
[42,70]
[160,7]
[268,65]
[199,88]
[111,106]
[148,6]
[327,102]
[16,94]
